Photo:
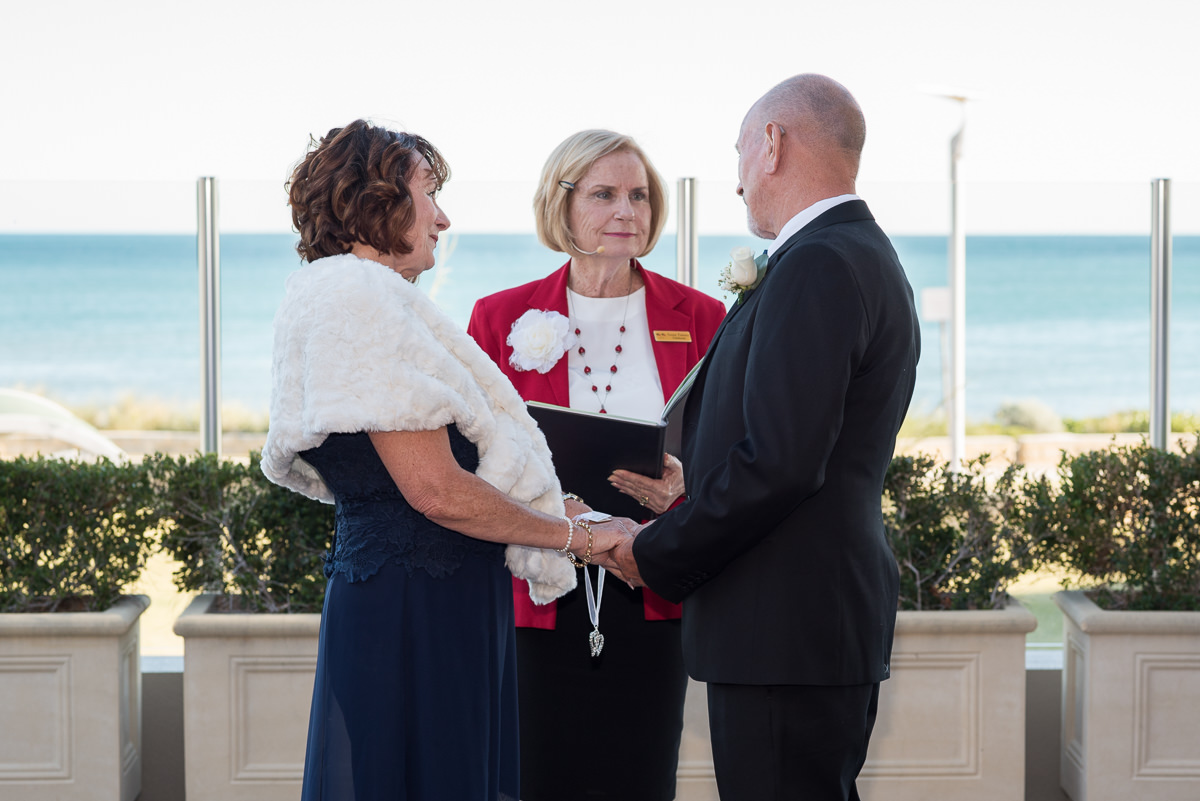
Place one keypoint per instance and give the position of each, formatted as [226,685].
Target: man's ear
[774,134]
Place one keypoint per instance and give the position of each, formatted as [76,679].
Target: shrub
[237,534]
[1132,421]
[1028,415]
[73,535]
[1127,522]
[953,533]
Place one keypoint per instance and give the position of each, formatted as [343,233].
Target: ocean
[1065,320]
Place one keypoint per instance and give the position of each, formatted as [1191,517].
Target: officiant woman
[603,334]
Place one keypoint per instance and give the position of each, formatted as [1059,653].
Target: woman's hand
[606,536]
[620,562]
[657,495]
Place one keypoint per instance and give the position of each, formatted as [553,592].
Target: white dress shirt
[804,218]
[636,387]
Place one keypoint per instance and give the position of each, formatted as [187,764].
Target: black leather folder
[587,447]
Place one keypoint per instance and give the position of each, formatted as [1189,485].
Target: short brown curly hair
[353,187]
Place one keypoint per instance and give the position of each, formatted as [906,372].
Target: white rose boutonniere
[744,272]
[539,339]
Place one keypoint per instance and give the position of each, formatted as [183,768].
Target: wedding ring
[645,499]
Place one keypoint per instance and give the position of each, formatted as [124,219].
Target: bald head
[800,143]
[820,111]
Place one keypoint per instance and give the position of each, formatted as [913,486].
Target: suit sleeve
[806,339]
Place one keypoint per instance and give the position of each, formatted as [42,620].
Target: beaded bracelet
[570,536]
[587,554]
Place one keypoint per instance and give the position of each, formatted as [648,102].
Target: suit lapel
[850,211]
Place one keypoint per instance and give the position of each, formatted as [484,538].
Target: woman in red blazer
[601,334]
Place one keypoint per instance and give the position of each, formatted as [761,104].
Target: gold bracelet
[570,536]
[587,554]
[570,496]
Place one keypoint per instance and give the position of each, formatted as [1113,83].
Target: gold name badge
[672,336]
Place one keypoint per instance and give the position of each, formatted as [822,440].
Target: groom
[788,585]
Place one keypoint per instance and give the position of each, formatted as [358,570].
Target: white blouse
[636,388]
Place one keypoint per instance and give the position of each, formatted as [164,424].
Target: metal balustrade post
[687,240]
[957,402]
[1160,312]
[208,257]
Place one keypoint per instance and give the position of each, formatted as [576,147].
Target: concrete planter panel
[1131,703]
[247,689]
[71,704]
[951,720]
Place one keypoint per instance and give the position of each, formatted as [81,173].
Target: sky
[111,111]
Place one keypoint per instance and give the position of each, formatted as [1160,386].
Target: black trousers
[790,742]
[621,713]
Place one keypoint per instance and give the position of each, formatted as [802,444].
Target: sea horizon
[1060,319]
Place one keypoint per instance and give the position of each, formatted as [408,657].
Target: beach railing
[1160,312]
[208,257]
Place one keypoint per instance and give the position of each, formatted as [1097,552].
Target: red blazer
[670,306]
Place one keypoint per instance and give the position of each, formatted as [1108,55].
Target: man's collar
[805,217]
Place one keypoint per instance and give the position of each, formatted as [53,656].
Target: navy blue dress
[415,696]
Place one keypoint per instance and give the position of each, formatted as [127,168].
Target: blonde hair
[569,162]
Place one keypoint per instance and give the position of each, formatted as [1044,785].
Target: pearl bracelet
[570,536]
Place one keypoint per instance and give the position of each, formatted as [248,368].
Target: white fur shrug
[359,348]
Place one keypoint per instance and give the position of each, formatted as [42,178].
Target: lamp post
[954,387]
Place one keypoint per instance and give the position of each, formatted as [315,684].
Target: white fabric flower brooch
[539,339]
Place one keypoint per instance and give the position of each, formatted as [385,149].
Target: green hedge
[1124,521]
[237,534]
[73,534]
[957,536]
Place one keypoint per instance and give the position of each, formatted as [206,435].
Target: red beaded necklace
[612,370]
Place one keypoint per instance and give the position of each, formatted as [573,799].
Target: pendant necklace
[595,639]
[612,370]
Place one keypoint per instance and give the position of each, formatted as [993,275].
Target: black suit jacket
[779,553]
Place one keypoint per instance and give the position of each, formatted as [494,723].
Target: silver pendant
[596,640]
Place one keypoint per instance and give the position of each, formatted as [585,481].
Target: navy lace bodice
[376,525]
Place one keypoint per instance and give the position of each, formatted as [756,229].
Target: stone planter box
[951,720]
[247,689]
[1131,703]
[71,704]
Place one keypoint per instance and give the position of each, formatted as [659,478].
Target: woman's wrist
[573,505]
[584,559]
[566,549]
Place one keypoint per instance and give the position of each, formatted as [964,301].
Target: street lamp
[954,387]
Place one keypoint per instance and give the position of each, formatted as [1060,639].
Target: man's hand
[620,562]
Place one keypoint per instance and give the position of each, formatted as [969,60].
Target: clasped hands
[612,544]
